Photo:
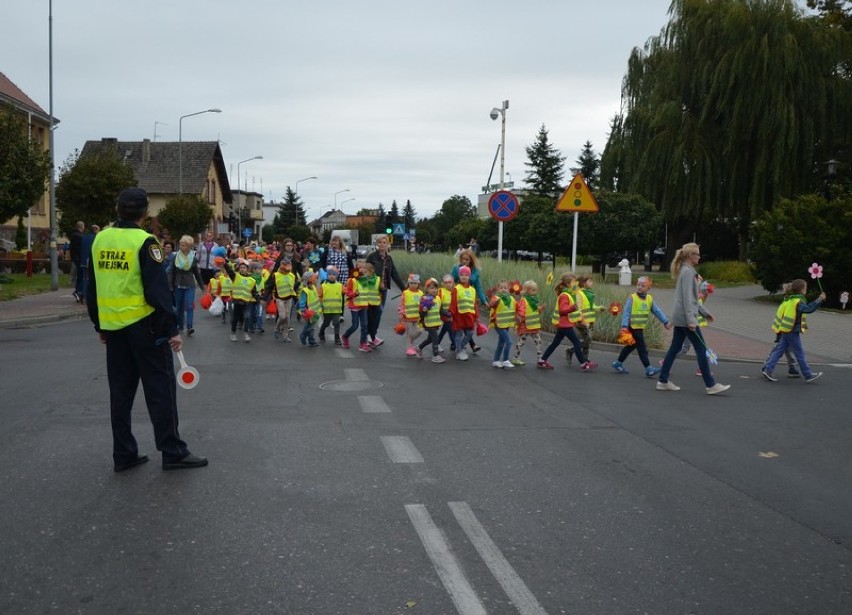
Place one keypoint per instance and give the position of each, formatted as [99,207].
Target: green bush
[606,328]
[733,272]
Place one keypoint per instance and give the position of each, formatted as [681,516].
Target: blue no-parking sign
[503,205]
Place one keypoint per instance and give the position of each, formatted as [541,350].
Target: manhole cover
[351,385]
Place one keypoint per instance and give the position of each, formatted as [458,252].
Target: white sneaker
[462,356]
[668,386]
[246,338]
[718,388]
[508,365]
[438,359]
[497,364]
[233,337]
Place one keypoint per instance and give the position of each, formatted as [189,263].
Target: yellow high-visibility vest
[311,299]
[785,317]
[242,288]
[332,298]
[532,318]
[432,318]
[585,306]
[411,304]
[285,284]
[118,276]
[573,317]
[504,315]
[369,294]
[465,299]
[640,311]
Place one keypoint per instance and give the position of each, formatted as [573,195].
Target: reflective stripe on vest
[532,318]
[311,299]
[369,295]
[411,304]
[465,299]
[332,298]
[640,311]
[242,287]
[225,286]
[586,306]
[573,317]
[118,276]
[785,317]
[285,284]
[432,318]
[504,316]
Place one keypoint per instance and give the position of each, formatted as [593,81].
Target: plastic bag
[217,307]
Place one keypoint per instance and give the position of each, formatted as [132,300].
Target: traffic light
[389,230]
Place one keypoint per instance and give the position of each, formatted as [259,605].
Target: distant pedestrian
[85,255]
[385,269]
[130,305]
[204,256]
[76,248]
[790,321]
[684,317]
[185,277]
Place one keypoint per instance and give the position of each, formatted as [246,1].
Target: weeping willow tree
[732,106]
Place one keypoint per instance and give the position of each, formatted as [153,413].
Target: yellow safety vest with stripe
[369,293]
[532,318]
[432,318]
[702,321]
[118,276]
[285,284]
[504,315]
[640,310]
[465,299]
[312,301]
[573,317]
[225,285]
[586,307]
[332,298]
[411,304]
[785,317]
[242,288]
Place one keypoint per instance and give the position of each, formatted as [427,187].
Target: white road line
[401,450]
[355,374]
[446,565]
[344,354]
[373,403]
[515,588]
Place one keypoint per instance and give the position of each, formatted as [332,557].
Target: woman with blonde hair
[185,276]
[684,318]
[468,259]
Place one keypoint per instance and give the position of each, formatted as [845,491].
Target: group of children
[434,310]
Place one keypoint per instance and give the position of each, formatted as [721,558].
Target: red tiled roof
[12,92]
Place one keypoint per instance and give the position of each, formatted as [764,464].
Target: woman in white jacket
[684,318]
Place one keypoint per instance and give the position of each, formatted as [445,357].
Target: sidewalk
[741,331]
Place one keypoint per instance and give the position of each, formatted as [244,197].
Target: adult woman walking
[185,275]
[382,262]
[468,259]
[337,255]
[684,317]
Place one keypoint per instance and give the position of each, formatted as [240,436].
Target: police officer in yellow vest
[130,304]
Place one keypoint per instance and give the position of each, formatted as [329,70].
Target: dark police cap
[133,199]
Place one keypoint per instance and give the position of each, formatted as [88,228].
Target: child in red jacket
[464,312]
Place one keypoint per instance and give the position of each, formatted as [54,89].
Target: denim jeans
[793,342]
[503,345]
[561,334]
[679,334]
[184,302]
[359,319]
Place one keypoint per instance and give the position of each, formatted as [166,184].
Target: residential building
[158,172]
[38,123]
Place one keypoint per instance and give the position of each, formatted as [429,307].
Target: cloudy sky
[388,100]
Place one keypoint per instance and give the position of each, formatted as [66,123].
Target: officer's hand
[176,342]
[102,336]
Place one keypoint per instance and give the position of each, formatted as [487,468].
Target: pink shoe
[344,341]
[410,352]
[365,347]
[544,365]
[588,366]
[377,342]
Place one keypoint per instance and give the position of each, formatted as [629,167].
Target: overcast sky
[389,100]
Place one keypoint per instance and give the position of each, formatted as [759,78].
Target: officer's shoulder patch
[155,252]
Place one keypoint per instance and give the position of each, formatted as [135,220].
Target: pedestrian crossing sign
[577,197]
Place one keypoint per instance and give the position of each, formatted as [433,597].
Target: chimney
[146,151]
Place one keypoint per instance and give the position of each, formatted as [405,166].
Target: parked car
[363,251]
[7,246]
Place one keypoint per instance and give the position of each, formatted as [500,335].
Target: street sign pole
[574,243]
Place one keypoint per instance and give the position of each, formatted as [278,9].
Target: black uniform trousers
[133,354]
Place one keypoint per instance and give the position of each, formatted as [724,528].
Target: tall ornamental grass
[606,328]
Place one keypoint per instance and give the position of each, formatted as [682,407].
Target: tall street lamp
[240,194]
[180,143]
[303,180]
[346,201]
[495,113]
[339,192]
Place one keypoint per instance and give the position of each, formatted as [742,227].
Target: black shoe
[475,348]
[187,463]
[190,331]
[121,467]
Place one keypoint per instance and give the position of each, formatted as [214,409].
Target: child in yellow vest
[432,308]
[503,315]
[310,308]
[223,288]
[585,300]
[282,286]
[790,321]
[243,290]
[463,307]
[358,304]
[409,313]
[637,314]
[529,321]
[445,294]
[331,296]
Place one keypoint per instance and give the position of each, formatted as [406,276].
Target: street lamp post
[303,180]
[346,201]
[339,192]
[180,143]
[495,112]
[240,194]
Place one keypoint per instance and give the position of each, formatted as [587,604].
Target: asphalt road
[348,483]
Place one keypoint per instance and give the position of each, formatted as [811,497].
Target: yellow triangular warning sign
[577,197]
